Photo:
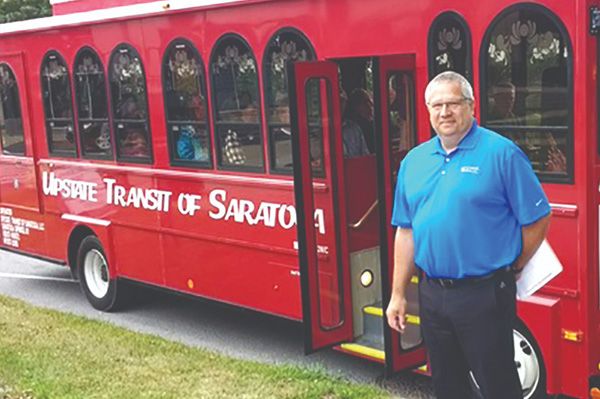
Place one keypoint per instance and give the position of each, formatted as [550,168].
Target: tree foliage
[18,10]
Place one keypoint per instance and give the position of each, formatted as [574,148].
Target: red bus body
[225,250]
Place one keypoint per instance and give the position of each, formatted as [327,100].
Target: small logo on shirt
[470,169]
[539,202]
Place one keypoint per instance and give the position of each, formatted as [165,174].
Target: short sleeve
[401,216]
[525,195]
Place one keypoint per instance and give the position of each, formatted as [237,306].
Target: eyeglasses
[453,105]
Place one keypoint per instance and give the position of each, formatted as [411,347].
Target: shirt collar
[467,143]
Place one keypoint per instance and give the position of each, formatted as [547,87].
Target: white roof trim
[107,14]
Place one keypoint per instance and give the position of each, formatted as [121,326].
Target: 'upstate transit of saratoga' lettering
[221,206]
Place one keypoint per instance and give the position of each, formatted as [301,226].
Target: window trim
[59,153]
[483,75]
[172,145]
[468,40]
[270,143]
[127,159]
[214,110]
[3,151]
[112,155]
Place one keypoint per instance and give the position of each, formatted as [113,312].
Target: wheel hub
[97,276]
[527,363]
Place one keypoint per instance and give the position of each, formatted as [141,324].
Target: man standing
[470,213]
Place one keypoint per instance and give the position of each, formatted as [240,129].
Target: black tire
[102,290]
[530,363]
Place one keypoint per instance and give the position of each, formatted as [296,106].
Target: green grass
[48,354]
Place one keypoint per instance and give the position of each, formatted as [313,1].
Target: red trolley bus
[199,146]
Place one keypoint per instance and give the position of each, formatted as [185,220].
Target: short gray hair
[451,77]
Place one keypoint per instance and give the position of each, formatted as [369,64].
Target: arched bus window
[287,45]
[450,46]
[129,105]
[11,124]
[526,87]
[92,105]
[58,106]
[185,104]
[236,105]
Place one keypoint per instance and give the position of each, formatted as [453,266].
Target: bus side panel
[117,196]
[234,273]
[573,344]
[233,240]
[562,226]
[18,183]
[571,362]
[541,316]
[140,253]
[564,359]
[24,230]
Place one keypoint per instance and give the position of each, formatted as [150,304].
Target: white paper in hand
[541,268]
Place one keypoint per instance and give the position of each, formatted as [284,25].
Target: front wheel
[530,363]
[101,290]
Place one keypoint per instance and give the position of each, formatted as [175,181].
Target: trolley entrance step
[370,345]
[363,351]
[376,312]
[372,327]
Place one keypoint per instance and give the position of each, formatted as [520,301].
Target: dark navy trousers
[469,328]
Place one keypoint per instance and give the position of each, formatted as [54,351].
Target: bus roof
[150,9]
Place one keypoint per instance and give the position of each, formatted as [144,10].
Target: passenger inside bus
[554,102]
[542,148]
[232,149]
[190,146]
[556,161]
[134,143]
[238,141]
[400,138]
[359,114]
[352,135]
[198,106]
[502,103]
[129,109]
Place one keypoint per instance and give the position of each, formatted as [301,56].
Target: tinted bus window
[285,47]
[236,102]
[58,106]
[92,108]
[450,46]
[186,108]
[526,93]
[129,105]
[11,125]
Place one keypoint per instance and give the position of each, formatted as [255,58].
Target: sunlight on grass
[47,354]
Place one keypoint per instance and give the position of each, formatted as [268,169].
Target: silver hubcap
[97,277]
[527,363]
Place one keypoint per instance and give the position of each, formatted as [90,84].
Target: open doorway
[363,91]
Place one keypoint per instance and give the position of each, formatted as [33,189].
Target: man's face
[504,100]
[365,108]
[450,114]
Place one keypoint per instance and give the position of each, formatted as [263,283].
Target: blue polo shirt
[466,209]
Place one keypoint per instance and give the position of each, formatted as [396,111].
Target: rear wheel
[100,288]
[530,364]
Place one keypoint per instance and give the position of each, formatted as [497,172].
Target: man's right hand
[396,313]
